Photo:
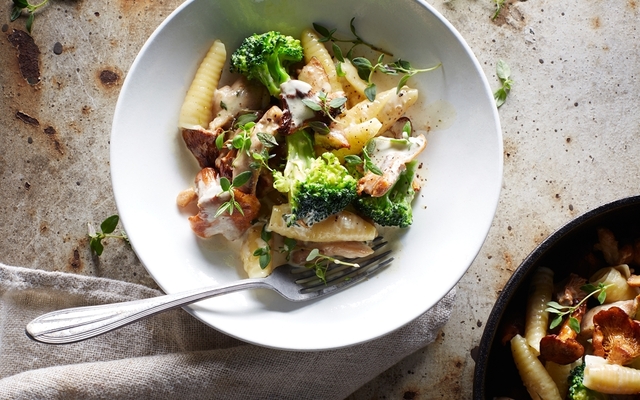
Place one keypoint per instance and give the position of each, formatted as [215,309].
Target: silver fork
[294,283]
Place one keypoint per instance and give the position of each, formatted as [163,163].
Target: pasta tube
[534,376]
[197,107]
[603,377]
[537,319]
[559,373]
[312,47]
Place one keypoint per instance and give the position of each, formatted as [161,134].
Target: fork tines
[339,275]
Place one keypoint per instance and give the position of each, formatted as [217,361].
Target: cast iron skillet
[569,249]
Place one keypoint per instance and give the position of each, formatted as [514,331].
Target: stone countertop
[569,125]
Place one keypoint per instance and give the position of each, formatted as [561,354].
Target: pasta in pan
[589,324]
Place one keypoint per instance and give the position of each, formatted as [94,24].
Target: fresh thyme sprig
[328,35]
[327,108]
[261,159]
[365,161]
[503,72]
[228,187]
[554,307]
[366,70]
[107,227]
[499,4]
[20,5]
[320,263]
[264,253]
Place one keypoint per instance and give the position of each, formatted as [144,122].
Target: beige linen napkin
[173,355]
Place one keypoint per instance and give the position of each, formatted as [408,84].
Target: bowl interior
[569,249]
[463,161]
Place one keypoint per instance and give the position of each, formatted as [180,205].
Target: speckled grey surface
[570,128]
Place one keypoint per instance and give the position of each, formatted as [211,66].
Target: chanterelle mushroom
[563,348]
[616,337]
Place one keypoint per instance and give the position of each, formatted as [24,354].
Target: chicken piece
[616,337]
[563,348]
[202,144]
[351,249]
[210,197]
[269,124]
[390,156]
[314,74]
[241,96]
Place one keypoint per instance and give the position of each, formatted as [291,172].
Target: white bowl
[452,214]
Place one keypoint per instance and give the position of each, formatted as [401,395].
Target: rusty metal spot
[596,23]
[109,78]
[27,119]
[409,395]
[57,48]
[76,262]
[28,55]
[51,133]
[86,110]
[27,185]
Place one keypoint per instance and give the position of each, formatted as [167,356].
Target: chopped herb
[320,263]
[503,72]
[107,227]
[20,5]
[228,187]
[560,310]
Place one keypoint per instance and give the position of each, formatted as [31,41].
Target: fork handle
[79,323]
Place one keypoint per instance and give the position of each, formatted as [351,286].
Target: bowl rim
[521,273]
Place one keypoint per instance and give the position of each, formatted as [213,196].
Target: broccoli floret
[394,207]
[316,187]
[266,57]
[577,391]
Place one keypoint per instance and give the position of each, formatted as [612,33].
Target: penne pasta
[534,376]
[196,111]
[607,378]
[536,318]
[312,47]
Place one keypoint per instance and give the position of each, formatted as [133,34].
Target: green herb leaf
[225,184]
[109,224]
[370,92]
[337,102]
[96,245]
[312,104]
[555,322]
[29,23]
[264,260]
[245,119]
[220,140]
[313,254]
[242,178]
[574,324]
[337,52]
[602,297]
[352,159]
[319,127]
[267,140]
[15,13]
[502,71]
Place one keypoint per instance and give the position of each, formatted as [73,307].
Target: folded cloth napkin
[173,355]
